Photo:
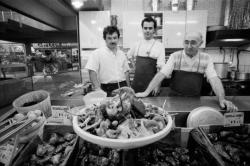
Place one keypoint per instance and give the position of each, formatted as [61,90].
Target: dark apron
[185,83]
[144,72]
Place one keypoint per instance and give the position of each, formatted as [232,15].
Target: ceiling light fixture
[233,40]
[77,3]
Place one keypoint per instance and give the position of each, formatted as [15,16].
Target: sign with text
[233,118]
[60,115]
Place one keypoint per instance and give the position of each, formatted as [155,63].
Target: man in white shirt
[108,65]
[150,57]
[187,69]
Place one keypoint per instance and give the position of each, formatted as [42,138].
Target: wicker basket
[41,97]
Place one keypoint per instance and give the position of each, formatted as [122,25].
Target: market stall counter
[181,106]
[173,104]
[184,105]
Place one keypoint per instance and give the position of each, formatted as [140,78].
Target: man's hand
[229,105]
[97,89]
[156,91]
[129,92]
[142,94]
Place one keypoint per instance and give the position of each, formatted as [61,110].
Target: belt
[114,84]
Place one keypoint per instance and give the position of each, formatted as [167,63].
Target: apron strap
[180,60]
[149,51]
[199,62]
[139,45]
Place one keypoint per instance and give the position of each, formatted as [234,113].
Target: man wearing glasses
[187,68]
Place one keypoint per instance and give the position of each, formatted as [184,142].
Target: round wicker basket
[40,100]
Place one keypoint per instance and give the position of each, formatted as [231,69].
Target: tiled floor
[57,84]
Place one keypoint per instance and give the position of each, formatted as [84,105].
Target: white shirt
[109,67]
[189,64]
[141,48]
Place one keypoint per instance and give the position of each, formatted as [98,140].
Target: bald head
[194,35]
[192,42]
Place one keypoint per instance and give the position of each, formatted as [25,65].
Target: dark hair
[47,52]
[110,30]
[149,19]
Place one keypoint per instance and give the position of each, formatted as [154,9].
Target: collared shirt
[110,67]
[157,51]
[201,63]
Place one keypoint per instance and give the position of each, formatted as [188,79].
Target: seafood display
[232,145]
[167,155]
[123,117]
[94,155]
[53,152]
[25,125]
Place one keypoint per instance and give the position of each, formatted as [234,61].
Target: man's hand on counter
[230,107]
[156,91]
[141,94]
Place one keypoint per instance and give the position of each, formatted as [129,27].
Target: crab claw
[124,90]
[138,107]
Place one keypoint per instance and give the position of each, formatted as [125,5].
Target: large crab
[104,119]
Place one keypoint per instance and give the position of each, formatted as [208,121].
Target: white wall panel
[91,24]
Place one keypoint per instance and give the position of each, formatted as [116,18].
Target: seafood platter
[122,122]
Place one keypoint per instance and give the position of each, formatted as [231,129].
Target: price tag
[60,115]
[6,153]
[233,119]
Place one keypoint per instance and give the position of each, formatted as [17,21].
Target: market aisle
[56,84]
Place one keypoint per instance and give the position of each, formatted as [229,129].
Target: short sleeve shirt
[110,67]
[201,63]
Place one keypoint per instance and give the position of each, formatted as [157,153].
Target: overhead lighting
[77,3]
[233,40]
[175,5]
[99,29]
[178,33]
[93,21]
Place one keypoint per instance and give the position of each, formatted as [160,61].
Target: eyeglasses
[191,42]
